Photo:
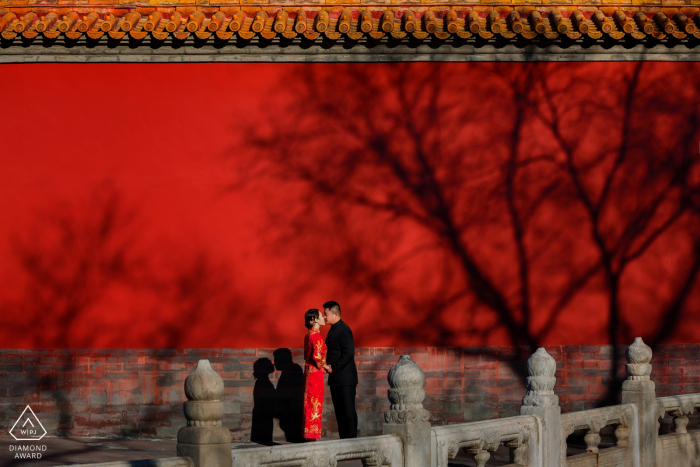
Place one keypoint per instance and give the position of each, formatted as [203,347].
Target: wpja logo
[28,428]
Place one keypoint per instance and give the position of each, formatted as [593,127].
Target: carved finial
[638,358]
[540,381]
[204,389]
[406,394]
[204,384]
[405,374]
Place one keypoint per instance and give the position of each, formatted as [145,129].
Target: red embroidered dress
[315,358]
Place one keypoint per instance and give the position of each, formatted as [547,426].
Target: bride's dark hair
[311,316]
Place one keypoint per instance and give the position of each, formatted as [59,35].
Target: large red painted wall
[209,205]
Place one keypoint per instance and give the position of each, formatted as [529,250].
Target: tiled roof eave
[56,25]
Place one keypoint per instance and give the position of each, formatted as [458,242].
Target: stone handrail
[536,438]
[521,434]
[594,420]
[375,451]
[165,462]
[680,406]
[685,403]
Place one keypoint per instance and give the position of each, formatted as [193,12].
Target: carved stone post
[204,440]
[406,416]
[640,390]
[541,401]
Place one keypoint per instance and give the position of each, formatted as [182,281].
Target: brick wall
[139,392]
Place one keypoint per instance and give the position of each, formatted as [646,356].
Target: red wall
[210,205]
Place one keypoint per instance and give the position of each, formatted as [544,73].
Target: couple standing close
[335,356]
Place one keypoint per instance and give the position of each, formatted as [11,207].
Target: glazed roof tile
[98,21]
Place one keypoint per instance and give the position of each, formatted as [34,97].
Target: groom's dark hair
[333,306]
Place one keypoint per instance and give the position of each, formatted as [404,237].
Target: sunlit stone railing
[375,451]
[626,451]
[682,447]
[679,407]
[593,421]
[520,434]
[163,462]
[536,438]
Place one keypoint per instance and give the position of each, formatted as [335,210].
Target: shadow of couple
[285,402]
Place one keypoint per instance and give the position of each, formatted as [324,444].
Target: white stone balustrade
[536,438]
[162,462]
[594,420]
[679,407]
[521,434]
[374,451]
[682,447]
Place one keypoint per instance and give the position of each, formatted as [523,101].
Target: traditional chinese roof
[95,23]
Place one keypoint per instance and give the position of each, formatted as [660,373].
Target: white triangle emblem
[28,427]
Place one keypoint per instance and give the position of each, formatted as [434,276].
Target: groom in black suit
[342,377]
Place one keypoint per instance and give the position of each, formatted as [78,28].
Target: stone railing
[679,407]
[593,421]
[520,434]
[536,438]
[682,447]
[164,462]
[379,451]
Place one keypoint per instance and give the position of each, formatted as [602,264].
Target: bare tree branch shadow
[470,201]
[81,258]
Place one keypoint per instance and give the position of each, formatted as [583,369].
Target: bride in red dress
[315,358]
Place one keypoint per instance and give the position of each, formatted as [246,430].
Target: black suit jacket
[341,355]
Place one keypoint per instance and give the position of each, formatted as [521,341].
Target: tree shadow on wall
[472,201]
[84,256]
[55,384]
[75,263]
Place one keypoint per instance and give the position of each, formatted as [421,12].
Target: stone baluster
[518,449]
[680,421]
[204,440]
[541,400]
[622,436]
[622,432]
[406,416]
[592,438]
[481,456]
[483,448]
[640,390]
[680,416]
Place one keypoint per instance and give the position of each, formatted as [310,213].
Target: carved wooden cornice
[161,23]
